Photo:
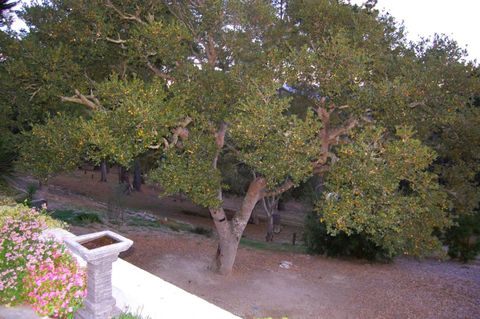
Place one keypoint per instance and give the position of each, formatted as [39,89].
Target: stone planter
[99,250]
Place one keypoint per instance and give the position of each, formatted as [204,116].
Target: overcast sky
[459,19]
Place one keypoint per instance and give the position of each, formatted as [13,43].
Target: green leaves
[383,188]
[58,146]
[190,170]
[272,142]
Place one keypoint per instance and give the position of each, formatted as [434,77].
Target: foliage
[44,153]
[463,238]
[37,270]
[7,153]
[382,188]
[198,85]
[358,245]
[76,217]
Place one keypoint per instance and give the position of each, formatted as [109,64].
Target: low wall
[139,291]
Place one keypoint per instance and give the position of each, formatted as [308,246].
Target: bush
[34,269]
[76,217]
[19,211]
[463,239]
[318,241]
[56,286]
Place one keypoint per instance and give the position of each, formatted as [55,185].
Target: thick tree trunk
[103,171]
[230,231]
[137,176]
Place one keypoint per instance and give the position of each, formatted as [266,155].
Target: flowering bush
[19,243]
[36,270]
[56,286]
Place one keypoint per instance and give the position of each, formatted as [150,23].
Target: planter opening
[105,240]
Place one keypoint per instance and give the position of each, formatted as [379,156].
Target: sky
[458,19]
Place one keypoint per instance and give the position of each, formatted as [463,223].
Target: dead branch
[116,41]
[89,101]
[125,16]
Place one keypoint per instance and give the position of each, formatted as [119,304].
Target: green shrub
[77,217]
[463,239]
[318,241]
[31,190]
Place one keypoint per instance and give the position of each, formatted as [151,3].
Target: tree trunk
[124,178]
[137,176]
[270,205]
[103,171]
[230,231]
[269,236]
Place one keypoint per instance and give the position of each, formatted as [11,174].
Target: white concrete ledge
[139,291]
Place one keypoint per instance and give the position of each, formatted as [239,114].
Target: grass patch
[77,217]
[132,315]
[262,245]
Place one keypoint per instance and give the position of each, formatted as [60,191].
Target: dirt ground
[313,287]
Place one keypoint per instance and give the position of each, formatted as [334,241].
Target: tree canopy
[198,82]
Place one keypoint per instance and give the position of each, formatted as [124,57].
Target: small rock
[286,264]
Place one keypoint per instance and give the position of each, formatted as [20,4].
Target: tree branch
[337,132]
[116,41]
[219,141]
[124,16]
[280,190]
[89,101]
[159,73]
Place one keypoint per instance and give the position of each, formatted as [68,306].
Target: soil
[279,284]
[99,242]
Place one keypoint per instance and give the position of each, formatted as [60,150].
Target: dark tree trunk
[123,176]
[137,176]
[103,171]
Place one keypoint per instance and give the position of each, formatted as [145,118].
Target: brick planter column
[99,303]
